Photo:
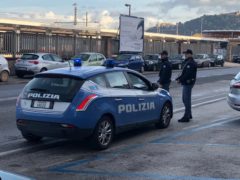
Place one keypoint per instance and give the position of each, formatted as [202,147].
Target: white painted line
[8,99]
[200,104]
[9,152]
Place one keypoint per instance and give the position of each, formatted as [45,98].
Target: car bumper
[57,130]
[234,101]
[27,70]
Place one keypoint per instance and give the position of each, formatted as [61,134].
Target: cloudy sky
[107,11]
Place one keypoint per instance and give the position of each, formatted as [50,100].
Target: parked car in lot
[90,101]
[216,60]
[90,58]
[130,61]
[236,58]
[151,62]
[33,63]
[202,60]
[177,61]
[234,93]
[4,70]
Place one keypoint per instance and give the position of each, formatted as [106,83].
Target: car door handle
[118,99]
[141,99]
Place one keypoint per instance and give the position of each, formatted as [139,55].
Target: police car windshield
[64,87]
[83,57]
[123,57]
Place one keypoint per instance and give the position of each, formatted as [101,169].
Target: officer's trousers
[187,100]
[166,86]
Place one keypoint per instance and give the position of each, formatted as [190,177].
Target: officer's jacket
[165,73]
[189,73]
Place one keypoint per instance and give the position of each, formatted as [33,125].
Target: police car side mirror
[155,86]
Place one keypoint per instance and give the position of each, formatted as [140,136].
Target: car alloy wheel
[166,115]
[103,133]
[4,76]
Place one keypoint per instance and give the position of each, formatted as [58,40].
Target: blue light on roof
[110,63]
[77,62]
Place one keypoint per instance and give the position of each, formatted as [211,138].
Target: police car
[90,102]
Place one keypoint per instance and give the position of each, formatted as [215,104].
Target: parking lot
[206,148]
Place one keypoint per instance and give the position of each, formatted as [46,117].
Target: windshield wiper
[39,89]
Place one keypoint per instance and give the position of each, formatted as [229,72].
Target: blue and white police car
[90,102]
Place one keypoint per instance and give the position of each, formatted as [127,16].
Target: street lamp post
[129,8]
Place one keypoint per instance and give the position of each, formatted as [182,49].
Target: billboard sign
[131,34]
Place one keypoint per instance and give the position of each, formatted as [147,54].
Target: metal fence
[15,44]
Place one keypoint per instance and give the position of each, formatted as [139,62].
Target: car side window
[99,80]
[117,80]
[93,58]
[137,82]
[47,57]
[100,57]
[56,58]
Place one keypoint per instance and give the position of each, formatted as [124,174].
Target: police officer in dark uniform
[165,73]
[187,79]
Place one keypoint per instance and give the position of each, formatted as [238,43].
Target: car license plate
[22,68]
[42,104]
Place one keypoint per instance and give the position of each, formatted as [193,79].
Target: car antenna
[70,67]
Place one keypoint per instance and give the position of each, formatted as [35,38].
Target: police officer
[187,79]
[165,73]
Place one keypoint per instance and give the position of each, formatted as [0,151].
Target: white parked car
[33,63]
[4,70]
[90,58]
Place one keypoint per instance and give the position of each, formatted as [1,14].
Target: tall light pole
[75,14]
[201,26]
[129,8]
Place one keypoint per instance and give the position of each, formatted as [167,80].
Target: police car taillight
[84,104]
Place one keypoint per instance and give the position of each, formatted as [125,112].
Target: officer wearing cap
[165,73]
[187,79]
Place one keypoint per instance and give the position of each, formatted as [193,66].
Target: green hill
[230,21]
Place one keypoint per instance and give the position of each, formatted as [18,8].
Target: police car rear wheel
[31,137]
[166,115]
[103,133]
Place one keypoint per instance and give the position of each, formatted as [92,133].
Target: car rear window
[55,88]
[29,56]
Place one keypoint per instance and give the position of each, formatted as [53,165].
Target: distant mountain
[230,21]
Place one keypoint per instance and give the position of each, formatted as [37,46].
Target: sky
[106,12]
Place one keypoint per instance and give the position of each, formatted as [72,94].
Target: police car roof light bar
[77,62]
[84,104]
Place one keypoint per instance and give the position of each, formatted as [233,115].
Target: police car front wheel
[103,133]
[166,115]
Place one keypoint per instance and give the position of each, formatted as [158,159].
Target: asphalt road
[207,148]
